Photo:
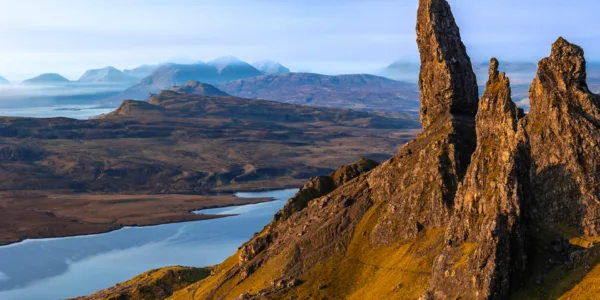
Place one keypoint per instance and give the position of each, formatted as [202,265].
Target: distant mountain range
[106,75]
[231,68]
[270,67]
[219,70]
[141,71]
[402,71]
[47,78]
[3,81]
[359,92]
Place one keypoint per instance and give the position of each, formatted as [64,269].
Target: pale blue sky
[333,36]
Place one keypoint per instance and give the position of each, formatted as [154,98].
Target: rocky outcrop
[323,185]
[198,88]
[316,187]
[419,184]
[564,125]
[134,107]
[485,239]
[447,82]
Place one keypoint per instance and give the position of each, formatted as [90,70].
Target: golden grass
[467,249]
[400,271]
[155,284]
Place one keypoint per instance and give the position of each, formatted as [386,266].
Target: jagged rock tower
[447,82]
[564,124]
[485,240]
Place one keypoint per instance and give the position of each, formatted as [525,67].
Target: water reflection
[68,267]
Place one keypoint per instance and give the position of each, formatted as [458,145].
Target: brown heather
[493,205]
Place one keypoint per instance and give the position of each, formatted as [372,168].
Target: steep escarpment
[322,185]
[317,187]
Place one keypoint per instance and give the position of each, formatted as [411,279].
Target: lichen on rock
[485,239]
[564,125]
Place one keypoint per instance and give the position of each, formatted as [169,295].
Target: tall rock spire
[420,183]
[447,82]
[485,250]
[564,125]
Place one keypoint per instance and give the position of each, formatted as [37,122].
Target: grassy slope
[398,271]
[155,284]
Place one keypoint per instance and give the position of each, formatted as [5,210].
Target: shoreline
[83,235]
[98,228]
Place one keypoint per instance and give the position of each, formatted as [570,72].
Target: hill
[175,144]
[3,81]
[198,88]
[46,79]
[105,75]
[486,203]
[359,92]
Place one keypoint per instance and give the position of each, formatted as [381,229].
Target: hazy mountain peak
[3,81]
[402,70]
[270,67]
[47,78]
[105,75]
[225,61]
[141,71]
[231,67]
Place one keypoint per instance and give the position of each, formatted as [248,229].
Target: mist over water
[15,96]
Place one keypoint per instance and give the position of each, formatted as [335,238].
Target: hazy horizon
[69,36]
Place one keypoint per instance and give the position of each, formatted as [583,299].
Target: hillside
[486,203]
[3,81]
[46,79]
[175,144]
[359,92]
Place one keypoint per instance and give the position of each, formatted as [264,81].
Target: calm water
[82,112]
[67,267]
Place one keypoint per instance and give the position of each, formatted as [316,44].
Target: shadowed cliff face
[485,238]
[447,82]
[564,124]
